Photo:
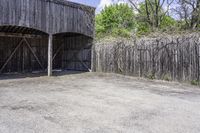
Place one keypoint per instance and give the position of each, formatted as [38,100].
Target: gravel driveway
[97,103]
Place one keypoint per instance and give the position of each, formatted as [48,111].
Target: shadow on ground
[38,74]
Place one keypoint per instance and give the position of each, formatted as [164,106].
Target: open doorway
[22,49]
[72,51]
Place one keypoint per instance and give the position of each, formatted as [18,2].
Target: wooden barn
[43,35]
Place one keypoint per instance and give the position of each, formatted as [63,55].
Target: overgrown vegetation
[148,16]
[116,20]
[151,76]
[195,82]
[167,77]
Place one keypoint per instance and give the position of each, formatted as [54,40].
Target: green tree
[167,22]
[147,20]
[189,11]
[115,20]
[152,10]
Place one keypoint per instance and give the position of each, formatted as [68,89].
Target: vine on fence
[168,58]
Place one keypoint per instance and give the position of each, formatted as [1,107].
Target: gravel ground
[97,103]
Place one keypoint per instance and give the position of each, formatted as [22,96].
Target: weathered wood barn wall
[49,16]
[166,57]
[28,26]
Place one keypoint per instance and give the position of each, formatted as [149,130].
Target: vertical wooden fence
[168,58]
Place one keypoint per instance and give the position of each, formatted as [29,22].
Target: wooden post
[50,53]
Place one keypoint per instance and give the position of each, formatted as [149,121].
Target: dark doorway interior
[72,51]
[22,50]
[25,50]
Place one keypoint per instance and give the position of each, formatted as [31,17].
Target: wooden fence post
[50,54]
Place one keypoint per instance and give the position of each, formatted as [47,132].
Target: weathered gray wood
[19,35]
[50,53]
[49,16]
[25,61]
[165,57]
[35,20]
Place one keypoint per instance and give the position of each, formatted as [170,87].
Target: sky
[93,3]
[99,4]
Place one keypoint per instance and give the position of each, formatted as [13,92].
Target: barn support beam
[19,35]
[50,55]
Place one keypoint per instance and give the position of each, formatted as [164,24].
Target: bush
[195,82]
[167,77]
[121,32]
[115,20]
[151,76]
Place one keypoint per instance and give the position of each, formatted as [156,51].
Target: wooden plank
[19,35]
[169,58]
[48,16]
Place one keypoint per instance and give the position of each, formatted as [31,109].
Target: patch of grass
[151,76]
[195,82]
[167,77]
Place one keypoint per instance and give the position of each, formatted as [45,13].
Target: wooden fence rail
[169,57]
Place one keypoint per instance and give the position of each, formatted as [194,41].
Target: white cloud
[104,3]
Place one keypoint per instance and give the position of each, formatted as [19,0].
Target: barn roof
[70,3]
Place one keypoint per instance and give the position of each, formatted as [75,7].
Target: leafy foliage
[116,20]
[146,26]
[195,82]
[123,20]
